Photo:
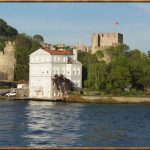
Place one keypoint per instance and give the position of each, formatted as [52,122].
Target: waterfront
[50,124]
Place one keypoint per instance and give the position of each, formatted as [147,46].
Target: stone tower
[101,41]
[9,48]
[95,42]
[7,62]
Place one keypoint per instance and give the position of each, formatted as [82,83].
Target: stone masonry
[101,41]
[7,62]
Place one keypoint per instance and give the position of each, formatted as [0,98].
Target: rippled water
[47,124]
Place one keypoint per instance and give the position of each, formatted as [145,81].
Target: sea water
[51,124]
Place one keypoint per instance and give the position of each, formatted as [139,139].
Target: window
[58,58]
[78,71]
[55,58]
[63,71]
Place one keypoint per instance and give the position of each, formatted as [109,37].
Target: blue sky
[71,23]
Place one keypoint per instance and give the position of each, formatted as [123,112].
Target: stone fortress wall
[7,62]
[101,41]
[104,40]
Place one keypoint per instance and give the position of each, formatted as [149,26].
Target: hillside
[6,30]
[24,46]
[6,33]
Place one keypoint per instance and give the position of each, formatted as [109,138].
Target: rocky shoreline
[108,100]
[90,99]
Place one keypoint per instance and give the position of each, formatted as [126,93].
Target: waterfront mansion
[44,64]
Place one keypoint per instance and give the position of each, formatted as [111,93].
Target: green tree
[6,33]
[148,54]
[99,55]
[118,74]
[86,58]
[6,30]
[145,78]
[135,55]
[96,76]
[2,45]
[116,51]
[38,38]
[25,45]
[140,70]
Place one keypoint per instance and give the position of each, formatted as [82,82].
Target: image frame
[75,1]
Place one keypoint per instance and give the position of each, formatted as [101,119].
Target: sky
[72,23]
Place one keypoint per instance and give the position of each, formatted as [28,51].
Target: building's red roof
[59,52]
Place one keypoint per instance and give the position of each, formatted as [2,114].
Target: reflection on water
[50,124]
[47,124]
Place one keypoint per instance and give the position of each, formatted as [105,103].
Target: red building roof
[59,52]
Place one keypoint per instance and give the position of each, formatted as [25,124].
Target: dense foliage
[38,38]
[6,30]
[127,73]
[25,45]
[62,84]
[6,33]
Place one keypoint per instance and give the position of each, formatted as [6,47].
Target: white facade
[43,65]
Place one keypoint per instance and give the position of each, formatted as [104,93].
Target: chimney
[75,53]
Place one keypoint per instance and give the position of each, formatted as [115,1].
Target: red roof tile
[59,52]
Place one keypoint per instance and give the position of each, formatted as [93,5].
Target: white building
[44,64]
